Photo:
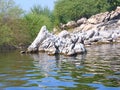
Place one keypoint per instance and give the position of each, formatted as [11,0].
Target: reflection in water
[98,69]
[48,63]
[105,56]
[100,65]
[44,62]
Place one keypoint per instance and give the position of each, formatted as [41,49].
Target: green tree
[113,4]
[5,35]
[101,5]
[38,17]
[12,26]
[8,9]
[66,10]
[37,9]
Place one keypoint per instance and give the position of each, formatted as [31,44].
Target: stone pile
[64,43]
[99,28]
[103,27]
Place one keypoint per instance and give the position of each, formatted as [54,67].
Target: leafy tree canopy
[38,17]
[12,26]
[66,10]
[8,9]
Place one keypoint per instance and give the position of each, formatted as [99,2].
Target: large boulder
[81,21]
[42,35]
[89,34]
[63,34]
[98,18]
[115,14]
[63,43]
[104,17]
[105,34]
[71,24]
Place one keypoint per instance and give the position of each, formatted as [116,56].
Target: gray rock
[114,36]
[71,24]
[63,43]
[103,27]
[89,34]
[81,21]
[98,18]
[95,39]
[79,48]
[105,34]
[115,14]
[63,34]
[42,35]
[70,52]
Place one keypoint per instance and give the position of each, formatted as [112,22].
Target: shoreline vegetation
[96,23]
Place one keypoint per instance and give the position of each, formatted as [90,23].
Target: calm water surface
[99,69]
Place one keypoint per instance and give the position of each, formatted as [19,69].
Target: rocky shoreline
[100,28]
[64,43]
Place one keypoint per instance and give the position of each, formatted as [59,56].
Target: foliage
[8,9]
[12,27]
[113,4]
[37,9]
[15,27]
[37,18]
[5,35]
[13,32]
[66,10]
[35,22]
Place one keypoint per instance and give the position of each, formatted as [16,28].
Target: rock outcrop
[99,28]
[42,35]
[100,21]
[64,43]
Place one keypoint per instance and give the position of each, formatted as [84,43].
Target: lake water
[99,69]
